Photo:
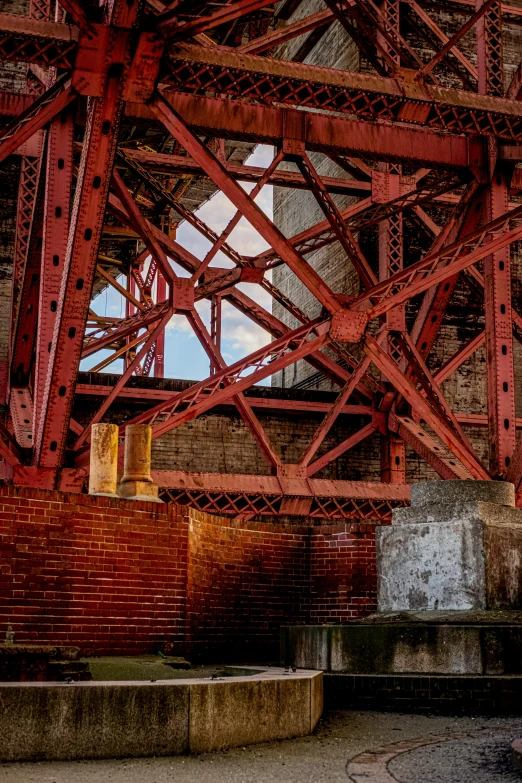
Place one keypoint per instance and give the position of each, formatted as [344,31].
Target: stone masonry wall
[116,577]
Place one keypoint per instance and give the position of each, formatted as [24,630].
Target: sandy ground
[320,758]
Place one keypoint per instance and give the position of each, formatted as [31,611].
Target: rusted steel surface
[137,112]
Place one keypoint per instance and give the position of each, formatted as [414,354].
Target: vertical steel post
[215,325]
[499,340]
[497,267]
[393,448]
[59,167]
[159,357]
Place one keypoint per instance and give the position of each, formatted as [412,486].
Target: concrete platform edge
[95,720]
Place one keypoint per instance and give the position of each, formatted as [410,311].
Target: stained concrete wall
[169,718]
[402,647]
[452,549]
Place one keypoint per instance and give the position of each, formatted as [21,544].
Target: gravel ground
[484,759]
[320,758]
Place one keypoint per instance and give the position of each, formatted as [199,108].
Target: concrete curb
[96,720]
[372,765]
[516,753]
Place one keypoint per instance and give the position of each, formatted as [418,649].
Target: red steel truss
[130,105]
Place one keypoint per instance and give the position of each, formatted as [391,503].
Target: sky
[184,356]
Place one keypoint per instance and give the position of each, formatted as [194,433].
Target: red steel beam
[288,406]
[243,494]
[170,27]
[55,235]
[438,267]
[341,448]
[101,134]
[210,69]
[431,451]
[341,231]
[245,304]
[122,328]
[410,393]
[429,318]
[245,411]
[281,35]
[330,418]
[255,216]
[213,391]
[184,164]
[459,357]
[30,40]
[499,341]
[264,362]
[38,114]
[322,132]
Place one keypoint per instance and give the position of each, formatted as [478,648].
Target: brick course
[118,577]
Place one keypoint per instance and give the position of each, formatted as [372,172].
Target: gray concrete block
[92,720]
[444,492]
[431,566]
[460,555]
[408,648]
[226,715]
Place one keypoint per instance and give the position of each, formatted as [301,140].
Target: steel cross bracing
[137,111]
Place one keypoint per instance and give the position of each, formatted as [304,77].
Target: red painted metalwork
[54,244]
[222,83]
[243,495]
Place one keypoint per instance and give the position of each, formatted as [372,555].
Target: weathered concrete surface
[435,565]
[253,710]
[118,720]
[405,648]
[93,721]
[443,492]
[320,758]
[452,550]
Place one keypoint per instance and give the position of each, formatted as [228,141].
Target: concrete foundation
[407,647]
[458,547]
[449,573]
[119,720]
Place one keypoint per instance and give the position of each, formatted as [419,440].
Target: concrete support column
[137,483]
[457,548]
[103,475]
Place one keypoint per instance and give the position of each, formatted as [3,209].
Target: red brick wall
[245,580]
[343,581]
[118,577]
[106,575]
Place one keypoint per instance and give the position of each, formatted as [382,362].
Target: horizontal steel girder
[249,495]
[206,69]
[321,133]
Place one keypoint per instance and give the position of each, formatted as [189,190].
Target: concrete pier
[136,483]
[458,547]
[103,474]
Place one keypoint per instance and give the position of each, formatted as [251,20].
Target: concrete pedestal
[449,626]
[458,547]
[103,474]
[136,483]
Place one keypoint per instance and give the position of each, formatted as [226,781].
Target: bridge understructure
[131,110]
